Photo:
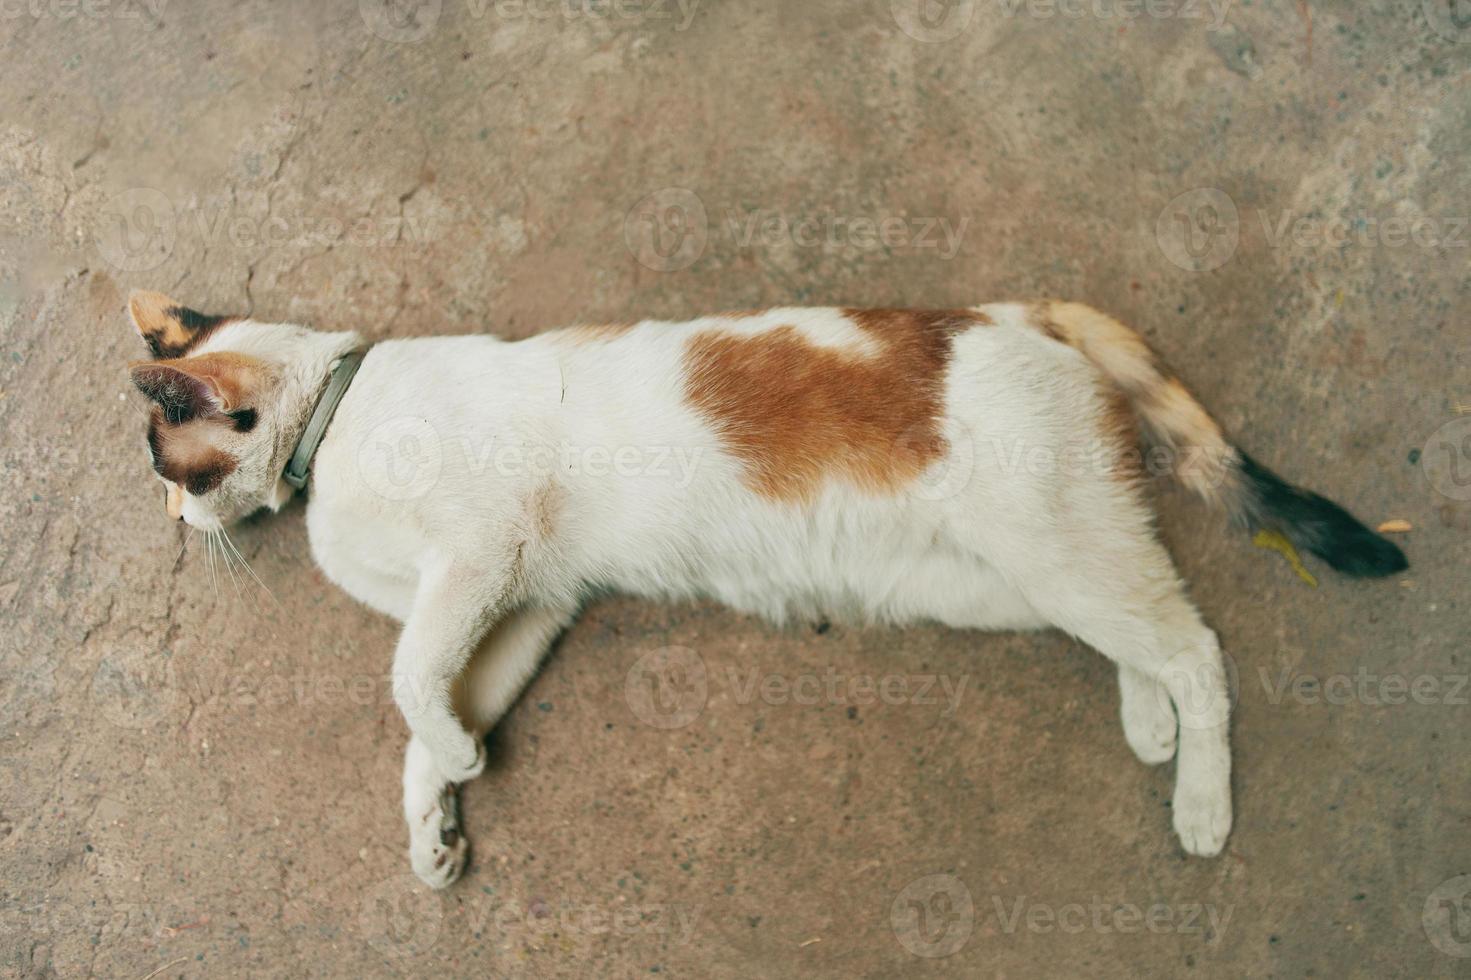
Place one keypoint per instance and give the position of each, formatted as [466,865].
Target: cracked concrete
[200,777]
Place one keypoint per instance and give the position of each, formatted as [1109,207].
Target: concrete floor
[205,780]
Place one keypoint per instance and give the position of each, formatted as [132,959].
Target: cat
[980,468]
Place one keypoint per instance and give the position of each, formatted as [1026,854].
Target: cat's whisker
[246,565]
[214,578]
[187,538]
[229,560]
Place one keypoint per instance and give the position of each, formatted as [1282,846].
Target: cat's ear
[169,327]
[189,387]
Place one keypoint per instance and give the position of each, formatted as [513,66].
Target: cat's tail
[1204,460]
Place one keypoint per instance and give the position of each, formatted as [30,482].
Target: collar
[299,466]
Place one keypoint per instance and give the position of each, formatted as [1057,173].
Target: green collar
[316,426]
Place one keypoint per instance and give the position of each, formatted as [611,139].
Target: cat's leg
[438,850]
[1125,601]
[505,663]
[961,591]
[499,670]
[454,608]
[1149,718]
[1084,555]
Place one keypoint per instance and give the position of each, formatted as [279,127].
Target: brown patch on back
[796,414]
[170,328]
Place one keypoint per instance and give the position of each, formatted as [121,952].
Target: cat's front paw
[438,850]
[1203,820]
[464,762]
[1149,728]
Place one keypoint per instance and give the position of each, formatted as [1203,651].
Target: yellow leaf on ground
[1274,541]
[1396,526]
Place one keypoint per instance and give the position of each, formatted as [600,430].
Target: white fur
[457,490]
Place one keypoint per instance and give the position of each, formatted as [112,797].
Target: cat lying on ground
[975,467]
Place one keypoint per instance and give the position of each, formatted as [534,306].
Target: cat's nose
[173,500]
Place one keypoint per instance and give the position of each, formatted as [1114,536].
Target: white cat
[977,467]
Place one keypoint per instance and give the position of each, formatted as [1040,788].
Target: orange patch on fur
[1119,428]
[169,328]
[796,414]
[225,379]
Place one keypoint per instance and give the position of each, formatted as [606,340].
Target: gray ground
[203,779]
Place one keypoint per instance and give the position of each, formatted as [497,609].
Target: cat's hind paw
[438,849]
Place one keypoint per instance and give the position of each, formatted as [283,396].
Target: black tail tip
[1318,525]
[1361,553]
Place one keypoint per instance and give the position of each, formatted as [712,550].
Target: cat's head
[229,396]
